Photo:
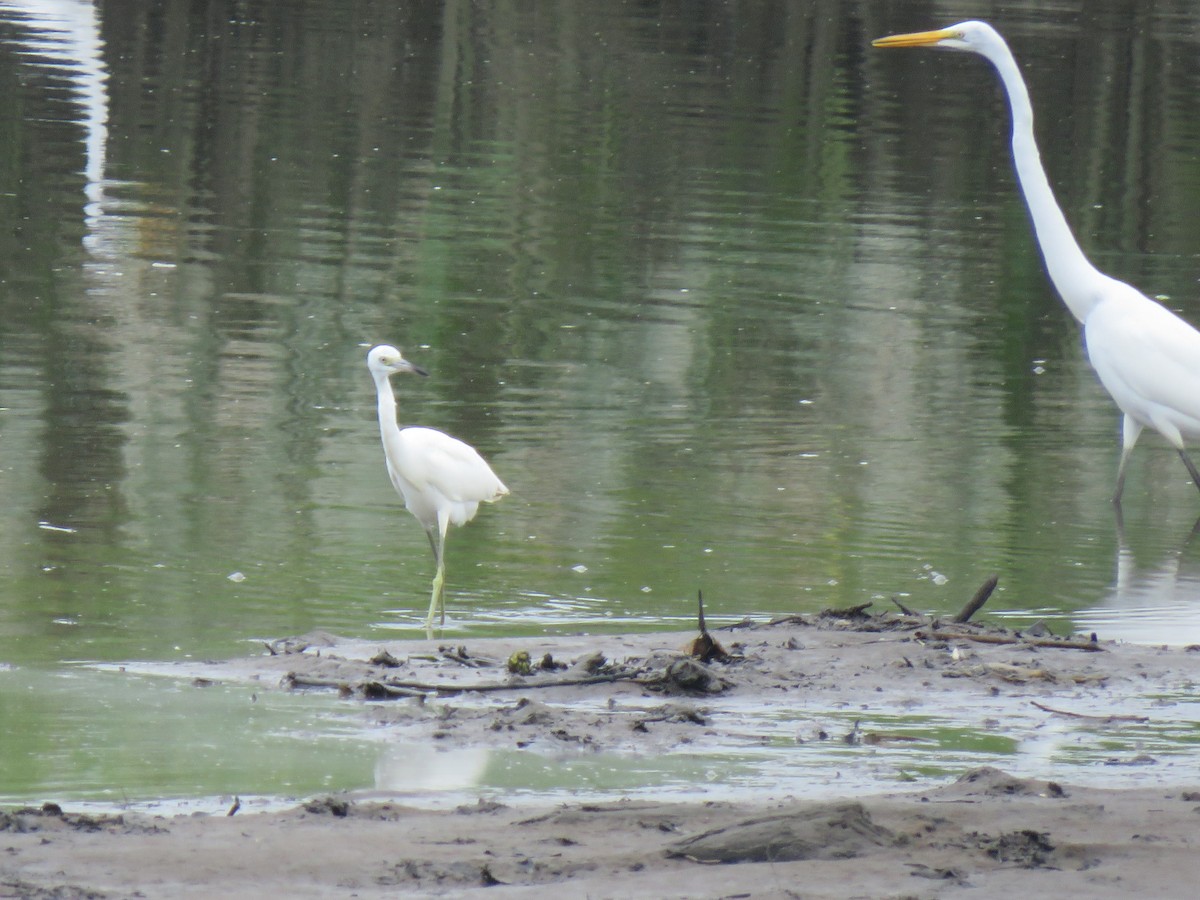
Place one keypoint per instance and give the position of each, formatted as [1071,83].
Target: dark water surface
[730,300]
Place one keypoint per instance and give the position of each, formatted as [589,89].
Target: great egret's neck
[1073,275]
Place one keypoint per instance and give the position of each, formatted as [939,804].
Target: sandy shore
[985,833]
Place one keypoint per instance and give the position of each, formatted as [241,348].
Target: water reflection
[1155,600]
[420,769]
[62,38]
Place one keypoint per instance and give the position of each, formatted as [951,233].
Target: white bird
[1147,358]
[441,479]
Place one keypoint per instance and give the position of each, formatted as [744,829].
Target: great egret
[441,479]
[1147,357]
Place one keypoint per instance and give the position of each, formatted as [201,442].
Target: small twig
[705,647]
[1075,715]
[1006,639]
[463,658]
[903,609]
[980,598]
[855,735]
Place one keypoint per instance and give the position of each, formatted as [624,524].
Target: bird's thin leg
[432,534]
[1191,467]
[437,540]
[1130,431]
[436,600]
[443,525]
[1116,498]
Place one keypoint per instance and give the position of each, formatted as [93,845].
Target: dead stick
[903,609]
[427,688]
[1005,639]
[367,687]
[1075,715]
[306,681]
[371,689]
[980,598]
[515,685]
[791,619]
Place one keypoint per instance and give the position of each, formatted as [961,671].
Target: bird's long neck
[1075,278]
[386,401]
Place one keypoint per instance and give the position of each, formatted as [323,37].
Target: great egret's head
[974,37]
[384,360]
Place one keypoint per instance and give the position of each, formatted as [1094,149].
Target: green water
[730,301]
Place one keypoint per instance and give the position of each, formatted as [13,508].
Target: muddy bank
[846,678]
[1126,826]
[988,835]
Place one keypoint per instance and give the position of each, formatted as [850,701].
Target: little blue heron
[441,479]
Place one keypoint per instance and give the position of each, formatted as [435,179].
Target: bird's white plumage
[1149,361]
[434,471]
[1146,356]
[441,479]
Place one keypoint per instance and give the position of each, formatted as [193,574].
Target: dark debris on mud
[49,817]
[700,667]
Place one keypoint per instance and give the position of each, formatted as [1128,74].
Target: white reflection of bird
[1147,357]
[441,479]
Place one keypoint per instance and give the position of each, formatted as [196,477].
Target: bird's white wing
[1149,360]
[433,459]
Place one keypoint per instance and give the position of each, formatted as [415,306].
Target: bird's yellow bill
[916,39]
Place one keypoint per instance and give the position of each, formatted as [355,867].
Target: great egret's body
[1147,357]
[441,479]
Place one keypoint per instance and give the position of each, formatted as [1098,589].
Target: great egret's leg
[1191,467]
[1130,431]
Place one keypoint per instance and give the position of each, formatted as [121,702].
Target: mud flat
[1126,826]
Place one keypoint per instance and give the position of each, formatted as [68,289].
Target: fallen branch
[1074,715]
[372,690]
[1060,643]
[420,688]
[381,690]
[488,687]
[790,619]
[975,603]
[291,679]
